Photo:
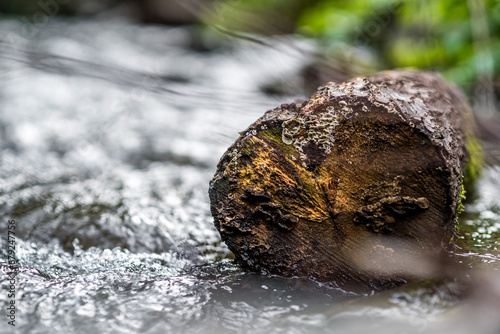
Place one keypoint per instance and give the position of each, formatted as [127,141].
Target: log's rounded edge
[360,183]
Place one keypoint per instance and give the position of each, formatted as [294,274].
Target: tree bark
[359,184]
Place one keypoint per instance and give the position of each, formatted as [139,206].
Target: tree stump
[362,183]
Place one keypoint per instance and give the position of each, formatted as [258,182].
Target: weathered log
[361,183]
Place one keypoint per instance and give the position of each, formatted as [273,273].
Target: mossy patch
[474,162]
[461,197]
[473,167]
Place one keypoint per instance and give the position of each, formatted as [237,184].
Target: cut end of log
[360,183]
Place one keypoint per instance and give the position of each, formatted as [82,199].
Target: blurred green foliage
[460,38]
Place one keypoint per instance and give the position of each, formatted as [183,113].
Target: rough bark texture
[360,183]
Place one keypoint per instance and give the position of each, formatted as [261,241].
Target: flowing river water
[109,135]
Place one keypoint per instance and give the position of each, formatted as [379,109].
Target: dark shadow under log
[359,184]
